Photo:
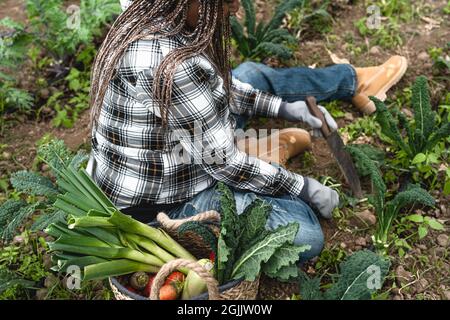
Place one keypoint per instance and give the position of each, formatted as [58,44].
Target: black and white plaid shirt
[135,161]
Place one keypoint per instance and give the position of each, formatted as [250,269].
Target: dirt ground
[426,267]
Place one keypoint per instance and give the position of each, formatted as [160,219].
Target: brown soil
[15,9]
[430,261]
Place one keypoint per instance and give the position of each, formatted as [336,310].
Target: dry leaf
[431,23]
[336,59]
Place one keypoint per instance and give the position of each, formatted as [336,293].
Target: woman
[165,105]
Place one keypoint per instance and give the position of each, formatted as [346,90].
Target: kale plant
[41,191]
[386,211]
[361,274]
[256,40]
[422,133]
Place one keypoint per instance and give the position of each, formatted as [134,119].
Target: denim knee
[316,240]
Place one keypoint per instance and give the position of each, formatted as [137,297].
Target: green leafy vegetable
[33,183]
[249,264]
[230,233]
[423,133]
[254,218]
[201,230]
[256,41]
[9,229]
[361,274]
[104,241]
[9,279]
[386,211]
[282,264]
[251,248]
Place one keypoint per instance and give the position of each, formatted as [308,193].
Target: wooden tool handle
[316,112]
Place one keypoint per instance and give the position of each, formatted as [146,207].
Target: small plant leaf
[415,218]
[419,158]
[434,224]
[422,231]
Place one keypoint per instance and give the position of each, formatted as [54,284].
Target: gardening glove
[298,111]
[323,198]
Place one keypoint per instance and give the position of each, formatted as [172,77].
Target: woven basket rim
[203,296]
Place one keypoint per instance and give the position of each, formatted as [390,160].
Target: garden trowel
[337,147]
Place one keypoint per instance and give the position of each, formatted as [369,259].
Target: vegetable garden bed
[416,236]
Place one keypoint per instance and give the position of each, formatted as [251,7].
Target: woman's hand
[298,111]
[323,198]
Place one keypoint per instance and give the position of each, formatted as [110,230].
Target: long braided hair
[211,36]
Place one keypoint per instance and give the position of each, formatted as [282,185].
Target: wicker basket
[234,290]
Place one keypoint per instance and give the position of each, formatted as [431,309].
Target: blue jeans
[291,84]
[337,82]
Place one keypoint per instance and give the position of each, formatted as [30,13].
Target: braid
[145,17]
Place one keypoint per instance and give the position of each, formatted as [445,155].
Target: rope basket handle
[169,267]
[173,224]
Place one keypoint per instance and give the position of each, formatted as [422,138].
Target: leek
[150,246]
[68,208]
[89,222]
[100,239]
[108,253]
[80,262]
[128,224]
[116,268]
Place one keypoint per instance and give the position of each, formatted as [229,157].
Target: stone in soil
[443,209]
[437,213]
[422,246]
[423,56]
[47,261]
[364,219]
[361,242]
[41,294]
[375,50]
[348,116]
[442,240]
[403,277]
[446,295]
[6,155]
[421,285]
[50,281]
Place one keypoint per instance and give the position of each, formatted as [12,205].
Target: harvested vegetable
[212,256]
[168,292]
[202,230]
[246,247]
[194,285]
[148,286]
[130,288]
[229,234]
[105,241]
[139,280]
[175,277]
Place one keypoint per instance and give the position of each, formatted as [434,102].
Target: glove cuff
[283,113]
[304,193]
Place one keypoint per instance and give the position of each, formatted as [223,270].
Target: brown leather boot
[278,147]
[376,81]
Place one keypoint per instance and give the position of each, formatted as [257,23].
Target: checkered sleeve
[194,121]
[252,101]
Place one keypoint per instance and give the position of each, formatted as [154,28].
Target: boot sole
[370,108]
